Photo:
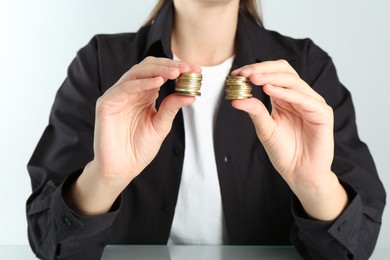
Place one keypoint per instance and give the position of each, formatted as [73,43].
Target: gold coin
[237,97]
[242,78]
[238,94]
[236,82]
[240,87]
[237,87]
[192,83]
[189,78]
[186,90]
[189,84]
[188,93]
[190,75]
[195,81]
[189,88]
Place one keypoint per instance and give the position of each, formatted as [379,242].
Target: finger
[165,62]
[285,80]
[312,109]
[265,67]
[153,71]
[167,111]
[183,66]
[123,90]
[262,120]
[149,70]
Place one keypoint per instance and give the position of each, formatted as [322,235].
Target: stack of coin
[238,87]
[189,83]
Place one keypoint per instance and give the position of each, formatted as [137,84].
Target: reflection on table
[198,252]
[129,252]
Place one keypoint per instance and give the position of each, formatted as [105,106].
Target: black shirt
[259,207]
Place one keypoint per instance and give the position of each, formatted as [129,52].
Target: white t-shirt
[199,217]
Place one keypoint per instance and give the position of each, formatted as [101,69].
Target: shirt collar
[256,44]
[161,31]
[253,42]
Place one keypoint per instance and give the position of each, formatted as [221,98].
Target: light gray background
[38,40]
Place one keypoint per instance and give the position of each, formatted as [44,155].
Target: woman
[131,162]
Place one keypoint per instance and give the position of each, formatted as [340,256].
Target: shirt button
[67,221]
[335,242]
[341,227]
[225,159]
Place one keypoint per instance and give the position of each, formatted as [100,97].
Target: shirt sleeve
[66,146]
[354,233]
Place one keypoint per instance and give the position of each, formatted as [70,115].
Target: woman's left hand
[297,135]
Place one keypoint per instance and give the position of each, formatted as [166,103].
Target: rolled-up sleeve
[66,146]
[354,233]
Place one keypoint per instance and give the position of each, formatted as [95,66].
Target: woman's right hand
[128,132]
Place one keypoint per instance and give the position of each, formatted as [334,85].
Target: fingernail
[246,72]
[183,66]
[196,68]
[272,87]
[234,72]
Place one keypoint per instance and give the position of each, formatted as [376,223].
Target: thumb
[167,111]
[262,120]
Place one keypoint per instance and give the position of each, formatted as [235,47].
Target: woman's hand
[128,129]
[128,132]
[298,135]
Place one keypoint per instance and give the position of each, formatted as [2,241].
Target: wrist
[324,200]
[94,193]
